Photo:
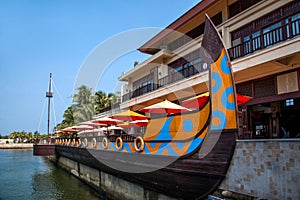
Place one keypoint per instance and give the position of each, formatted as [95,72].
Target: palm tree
[68,116]
[83,112]
[83,104]
[36,134]
[84,95]
[68,119]
[103,101]
[23,135]
[112,98]
[100,101]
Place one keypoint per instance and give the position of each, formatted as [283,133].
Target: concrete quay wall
[110,186]
[267,169]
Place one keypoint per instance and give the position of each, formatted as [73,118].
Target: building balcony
[143,68]
[162,82]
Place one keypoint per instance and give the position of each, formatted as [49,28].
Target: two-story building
[263,41]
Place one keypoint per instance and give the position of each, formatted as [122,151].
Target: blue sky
[42,36]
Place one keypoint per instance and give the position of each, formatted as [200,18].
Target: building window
[247,45]
[272,34]
[289,102]
[240,5]
[188,69]
[217,19]
[296,24]
[256,41]
[198,65]
[253,43]
[178,69]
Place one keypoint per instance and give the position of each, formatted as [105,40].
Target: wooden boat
[184,155]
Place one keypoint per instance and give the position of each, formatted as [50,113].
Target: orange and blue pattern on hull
[164,148]
[222,89]
[222,95]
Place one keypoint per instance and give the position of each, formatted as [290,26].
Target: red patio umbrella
[198,101]
[241,99]
[139,123]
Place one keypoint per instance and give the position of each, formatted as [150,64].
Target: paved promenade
[16,146]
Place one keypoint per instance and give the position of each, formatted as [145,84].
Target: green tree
[68,119]
[36,134]
[3,136]
[30,135]
[100,100]
[84,96]
[13,135]
[103,101]
[22,135]
[83,104]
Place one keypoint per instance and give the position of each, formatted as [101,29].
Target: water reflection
[59,185]
[24,176]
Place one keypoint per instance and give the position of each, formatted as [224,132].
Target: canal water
[24,176]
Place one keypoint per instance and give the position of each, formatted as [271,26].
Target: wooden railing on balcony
[275,36]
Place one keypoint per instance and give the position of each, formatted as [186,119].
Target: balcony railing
[174,77]
[138,92]
[266,40]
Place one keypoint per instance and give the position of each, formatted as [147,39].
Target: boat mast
[49,95]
